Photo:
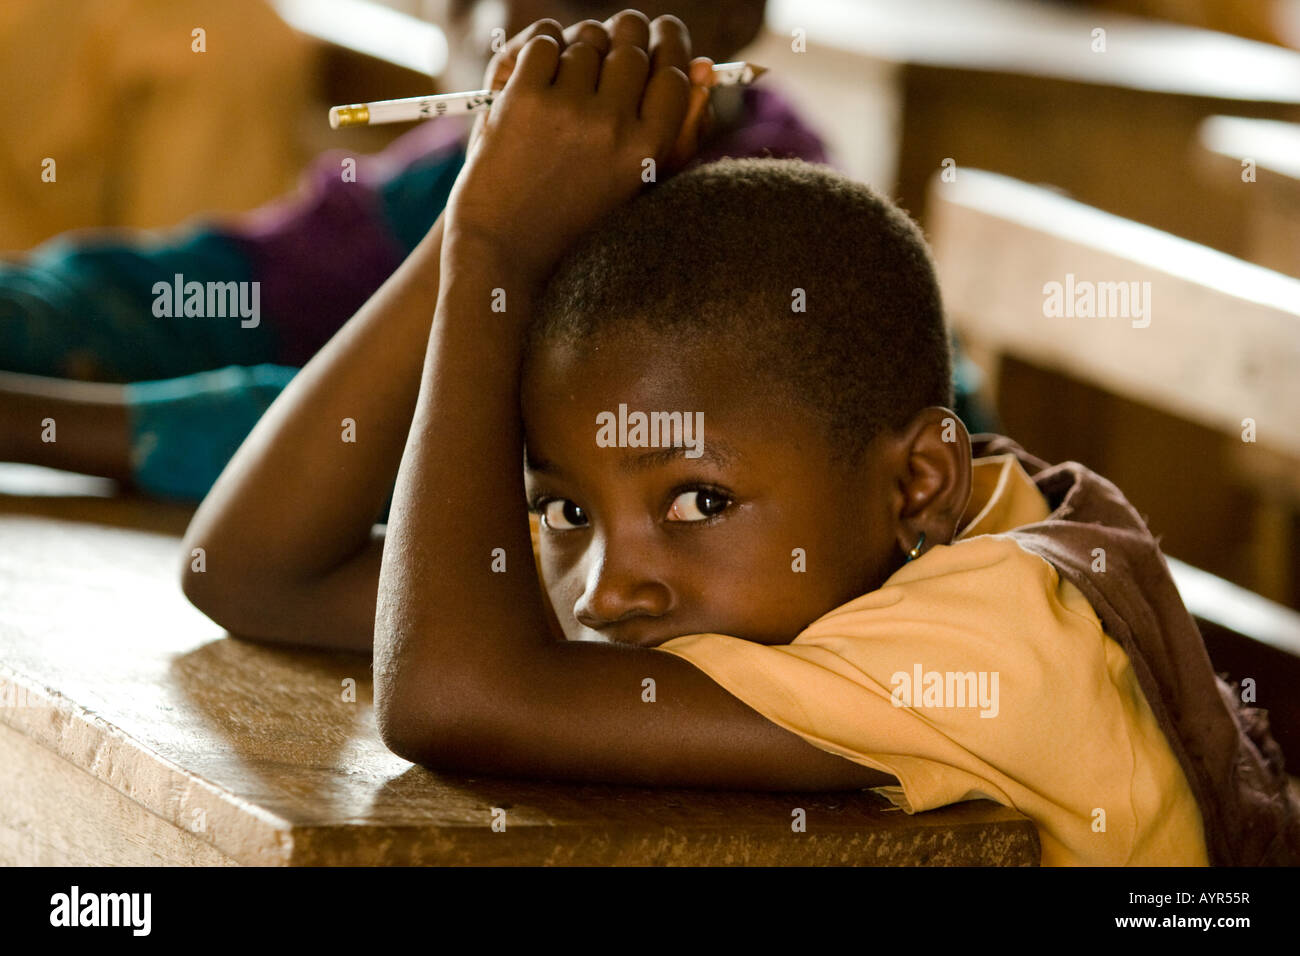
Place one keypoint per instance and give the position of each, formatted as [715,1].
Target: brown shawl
[1230,758]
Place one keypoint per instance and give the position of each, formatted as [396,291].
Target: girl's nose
[616,593]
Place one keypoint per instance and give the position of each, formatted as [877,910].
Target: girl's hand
[573,134]
[503,62]
[699,115]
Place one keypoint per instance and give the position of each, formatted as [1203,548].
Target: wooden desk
[146,736]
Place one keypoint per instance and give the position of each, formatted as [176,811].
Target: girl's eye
[697,505]
[560,514]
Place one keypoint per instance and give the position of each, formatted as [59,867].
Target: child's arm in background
[93,431]
[166,438]
[467,674]
[290,551]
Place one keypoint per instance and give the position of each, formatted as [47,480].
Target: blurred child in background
[185,389]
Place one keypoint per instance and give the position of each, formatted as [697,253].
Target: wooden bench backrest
[1255,163]
[1220,340]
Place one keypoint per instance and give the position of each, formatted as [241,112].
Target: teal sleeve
[77,300]
[184,430]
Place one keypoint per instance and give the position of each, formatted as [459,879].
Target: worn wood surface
[137,732]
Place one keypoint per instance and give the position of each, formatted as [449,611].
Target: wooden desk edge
[971,833]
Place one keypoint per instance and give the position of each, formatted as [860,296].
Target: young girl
[812,585]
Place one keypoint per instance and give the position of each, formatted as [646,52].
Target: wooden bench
[1156,404]
[1249,636]
[134,731]
[1014,86]
[1267,191]
[363,51]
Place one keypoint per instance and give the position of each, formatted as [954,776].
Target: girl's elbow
[415,730]
[201,588]
[409,738]
[233,601]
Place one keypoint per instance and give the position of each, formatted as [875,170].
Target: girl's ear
[934,476]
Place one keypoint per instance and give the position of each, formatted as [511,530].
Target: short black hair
[719,253]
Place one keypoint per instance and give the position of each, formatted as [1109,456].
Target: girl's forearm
[443,609]
[300,498]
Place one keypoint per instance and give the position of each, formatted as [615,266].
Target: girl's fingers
[667,98]
[699,114]
[588,31]
[623,76]
[670,44]
[503,63]
[630,26]
[663,108]
[688,136]
[624,72]
[695,110]
[579,68]
[701,71]
[615,58]
[537,62]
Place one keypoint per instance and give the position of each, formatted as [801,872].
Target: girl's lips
[632,633]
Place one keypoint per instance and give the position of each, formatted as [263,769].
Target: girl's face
[755,538]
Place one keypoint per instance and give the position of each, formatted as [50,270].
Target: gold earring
[916,550]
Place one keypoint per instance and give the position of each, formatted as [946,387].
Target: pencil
[447,104]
